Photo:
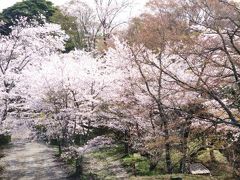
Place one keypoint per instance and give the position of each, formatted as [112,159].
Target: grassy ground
[105,164]
[111,164]
[184,177]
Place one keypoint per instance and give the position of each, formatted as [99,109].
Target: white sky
[6,3]
[137,7]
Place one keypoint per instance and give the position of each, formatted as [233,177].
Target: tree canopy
[32,9]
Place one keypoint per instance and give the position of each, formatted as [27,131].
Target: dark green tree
[70,26]
[31,9]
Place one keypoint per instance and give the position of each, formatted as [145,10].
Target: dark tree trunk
[185,134]
[167,148]
[153,166]
[59,148]
[79,166]
[134,170]
[168,158]
[163,117]
[5,110]
[126,142]
[8,88]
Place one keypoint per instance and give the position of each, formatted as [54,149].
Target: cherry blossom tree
[139,92]
[195,44]
[24,46]
[68,88]
[96,22]
[149,95]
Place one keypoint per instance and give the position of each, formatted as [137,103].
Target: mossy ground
[111,163]
[105,164]
[184,177]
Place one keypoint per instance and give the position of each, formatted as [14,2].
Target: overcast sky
[6,3]
[138,4]
[137,7]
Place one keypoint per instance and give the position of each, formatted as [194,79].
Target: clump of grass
[114,152]
[137,165]
[205,157]
[220,167]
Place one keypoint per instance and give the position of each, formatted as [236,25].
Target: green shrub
[137,164]
[4,139]
[54,142]
[41,128]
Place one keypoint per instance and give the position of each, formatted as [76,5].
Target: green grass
[184,177]
[103,163]
[115,152]
[205,156]
[141,164]
[220,169]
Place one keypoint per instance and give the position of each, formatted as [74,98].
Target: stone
[198,169]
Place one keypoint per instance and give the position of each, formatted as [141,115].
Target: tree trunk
[167,148]
[79,166]
[153,166]
[183,163]
[59,148]
[126,143]
[8,88]
[212,155]
[185,134]
[4,111]
[168,158]
[134,170]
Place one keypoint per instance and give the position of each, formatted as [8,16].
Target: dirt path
[25,159]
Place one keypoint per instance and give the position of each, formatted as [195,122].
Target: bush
[54,142]
[4,139]
[138,164]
